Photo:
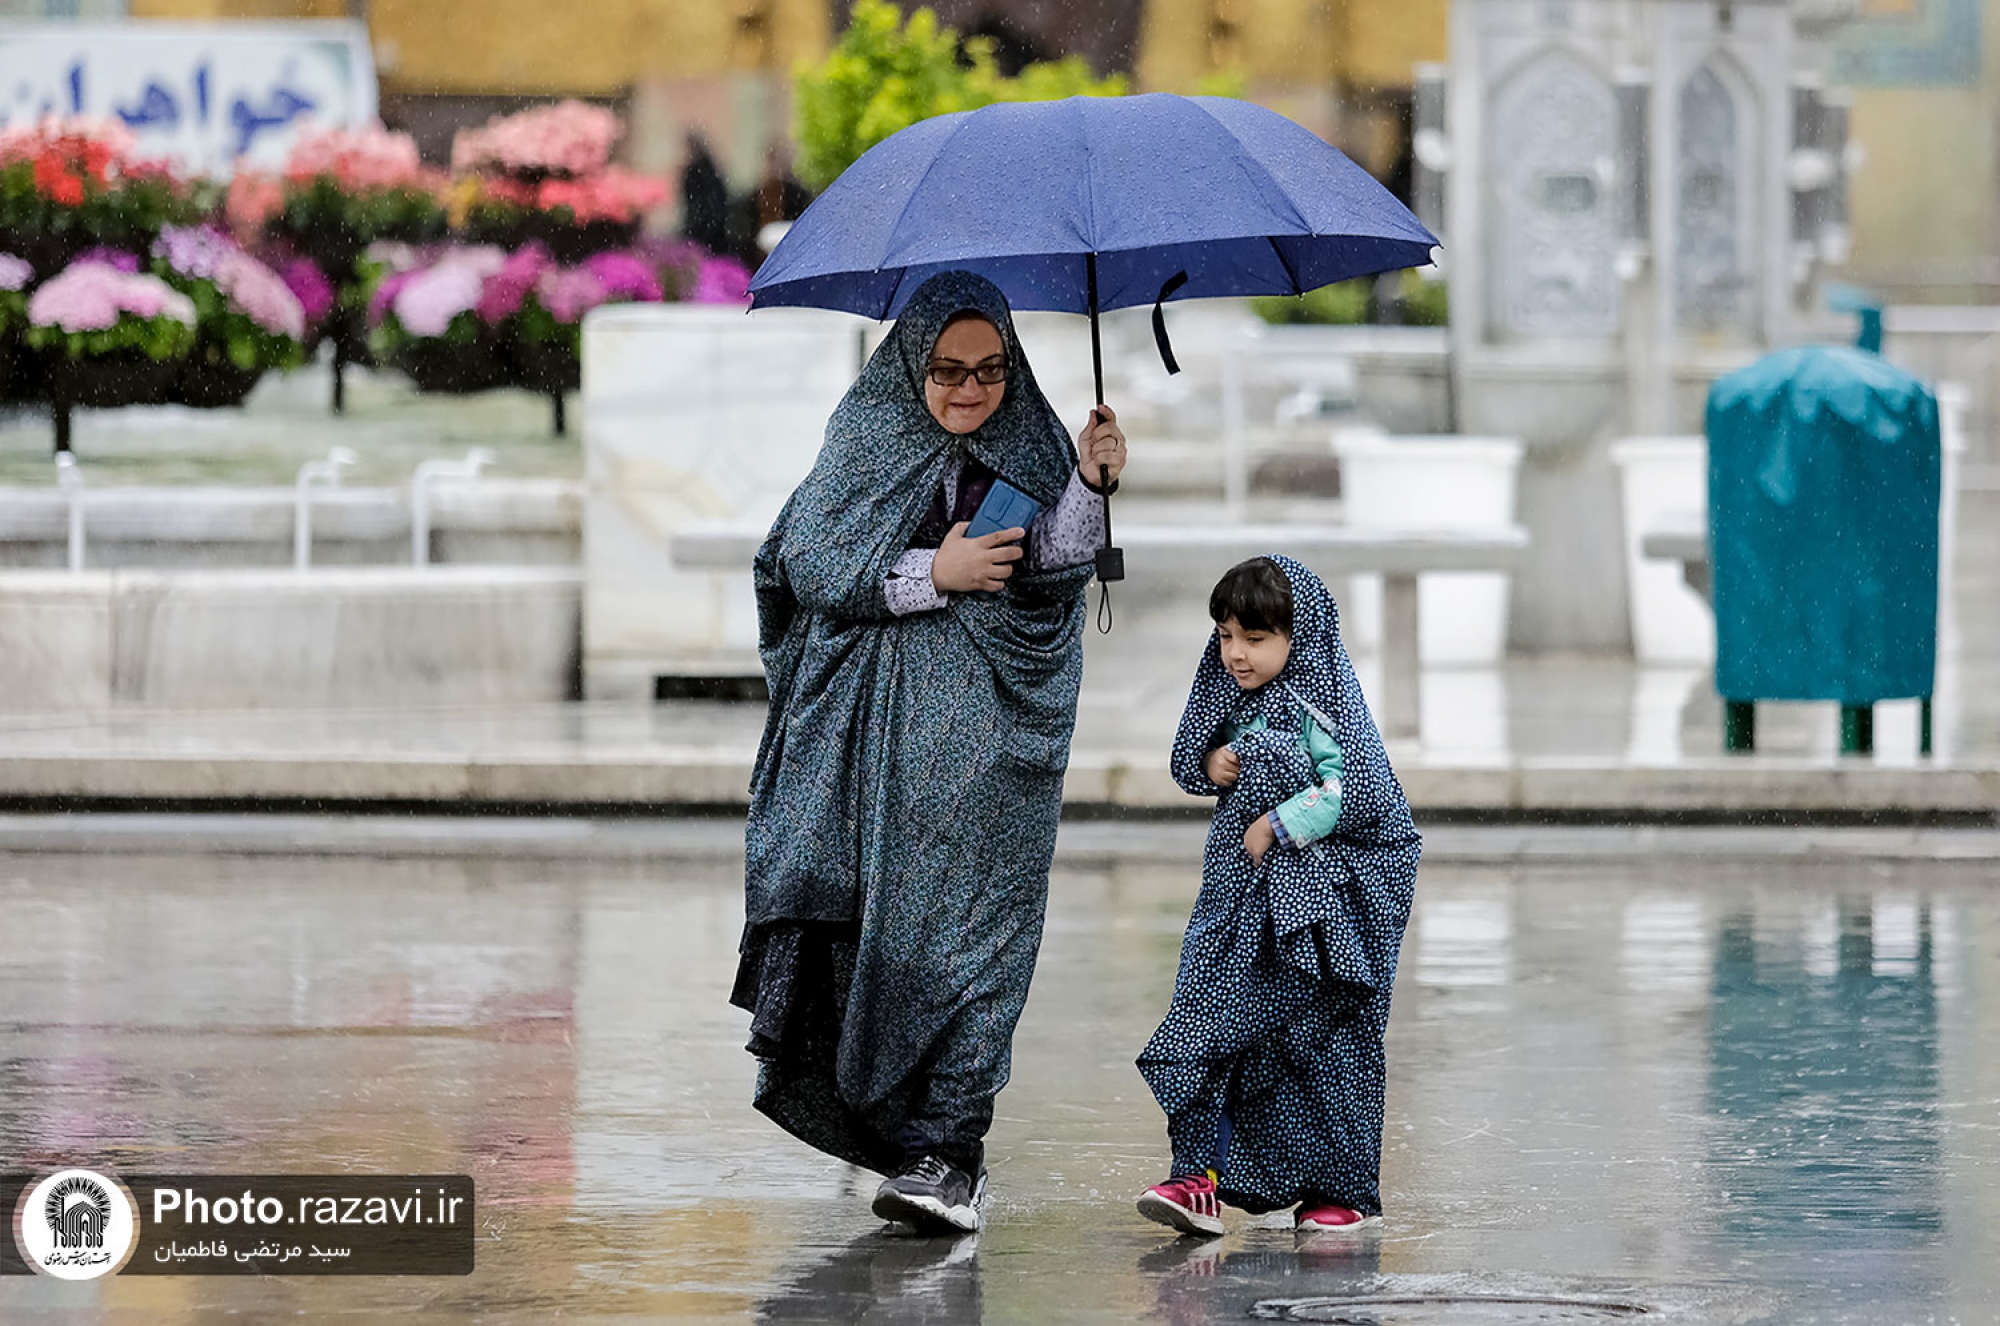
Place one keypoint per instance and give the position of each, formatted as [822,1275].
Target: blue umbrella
[1094,203]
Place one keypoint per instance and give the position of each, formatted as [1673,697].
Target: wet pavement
[1718,1088]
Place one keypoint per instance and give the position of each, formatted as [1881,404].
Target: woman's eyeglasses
[988,374]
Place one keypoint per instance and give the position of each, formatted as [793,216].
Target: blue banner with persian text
[202,95]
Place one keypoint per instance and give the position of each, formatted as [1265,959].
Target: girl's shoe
[1314,1217]
[1187,1203]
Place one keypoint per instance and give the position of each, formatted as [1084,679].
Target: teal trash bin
[1823,483]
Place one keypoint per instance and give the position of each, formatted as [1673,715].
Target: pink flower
[625,276]
[570,138]
[357,159]
[309,286]
[109,257]
[570,292]
[253,200]
[194,251]
[427,303]
[611,194]
[506,288]
[385,293]
[14,272]
[261,294]
[721,281]
[91,296]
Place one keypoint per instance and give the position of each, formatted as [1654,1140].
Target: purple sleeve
[1070,532]
[909,588]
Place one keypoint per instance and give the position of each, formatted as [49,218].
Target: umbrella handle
[1110,560]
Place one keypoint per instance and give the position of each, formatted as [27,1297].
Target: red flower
[52,177]
[96,159]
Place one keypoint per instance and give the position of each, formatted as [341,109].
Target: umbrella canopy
[1050,199]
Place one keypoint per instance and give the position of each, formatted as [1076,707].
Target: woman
[904,803]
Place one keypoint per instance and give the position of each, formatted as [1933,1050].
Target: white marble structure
[692,414]
[328,637]
[1640,194]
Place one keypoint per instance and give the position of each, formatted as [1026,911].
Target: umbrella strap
[1167,291]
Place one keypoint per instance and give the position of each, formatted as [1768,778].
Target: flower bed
[544,176]
[247,319]
[70,185]
[110,335]
[121,282]
[469,317]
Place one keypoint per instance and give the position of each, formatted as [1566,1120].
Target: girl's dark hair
[1257,594]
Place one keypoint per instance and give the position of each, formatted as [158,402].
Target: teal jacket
[1312,814]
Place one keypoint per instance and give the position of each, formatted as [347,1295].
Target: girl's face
[966,351]
[1252,657]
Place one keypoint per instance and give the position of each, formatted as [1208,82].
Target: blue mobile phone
[1005,507]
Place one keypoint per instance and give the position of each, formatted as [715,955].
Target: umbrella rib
[1245,160]
[1285,263]
[1089,192]
[915,189]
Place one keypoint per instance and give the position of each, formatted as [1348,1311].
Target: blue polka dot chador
[1269,1062]
[904,802]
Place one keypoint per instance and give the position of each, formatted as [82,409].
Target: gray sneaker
[932,1197]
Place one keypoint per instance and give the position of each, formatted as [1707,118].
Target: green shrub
[1342,305]
[1421,303]
[1425,303]
[885,74]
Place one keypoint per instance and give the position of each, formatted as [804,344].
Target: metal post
[1924,727]
[1739,726]
[1235,464]
[421,479]
[1402,657]
[70,480]
[312,474]
[1857,729]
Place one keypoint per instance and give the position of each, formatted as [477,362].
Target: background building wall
[1925,206]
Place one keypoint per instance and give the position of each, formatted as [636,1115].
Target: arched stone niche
[1716,228]
[1551,153]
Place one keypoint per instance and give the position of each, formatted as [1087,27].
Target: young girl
[1269,1063]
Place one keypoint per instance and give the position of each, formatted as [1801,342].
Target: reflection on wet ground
[1724,1092]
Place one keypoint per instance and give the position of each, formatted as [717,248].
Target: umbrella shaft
[1096,349]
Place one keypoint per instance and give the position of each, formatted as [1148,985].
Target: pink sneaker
[1187,1203]
[1312,1218]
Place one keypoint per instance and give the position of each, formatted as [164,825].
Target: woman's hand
[1222,766]
[963,565]
[1101,445]
[1259,838]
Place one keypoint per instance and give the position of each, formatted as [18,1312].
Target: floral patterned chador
[904,803]
[1269,1062]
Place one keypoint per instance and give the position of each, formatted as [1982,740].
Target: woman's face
[964,350]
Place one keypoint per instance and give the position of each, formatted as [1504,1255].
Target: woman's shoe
[1314,1217]
[933,1198]
[1187,1203]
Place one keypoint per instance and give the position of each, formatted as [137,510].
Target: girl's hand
[1222,766]
[1259,838]
[963,564]
[1100,444]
